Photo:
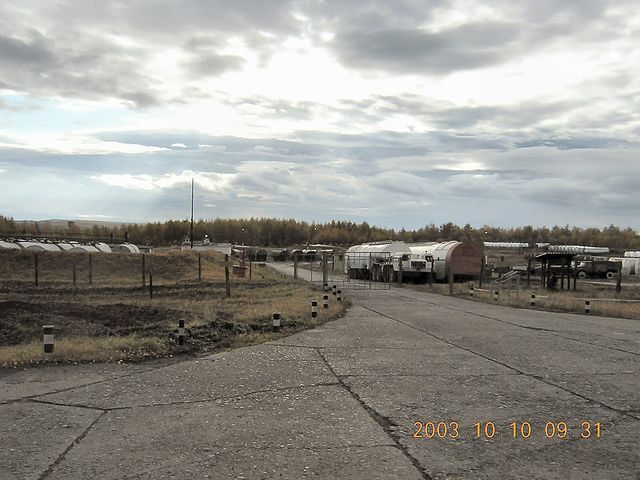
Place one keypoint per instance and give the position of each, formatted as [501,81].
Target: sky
[399,113]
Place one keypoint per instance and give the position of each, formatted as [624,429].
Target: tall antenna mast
[191,236]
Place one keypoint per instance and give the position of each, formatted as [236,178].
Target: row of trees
[274,232]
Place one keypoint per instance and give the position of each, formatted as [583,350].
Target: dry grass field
[114,319]
[602,296]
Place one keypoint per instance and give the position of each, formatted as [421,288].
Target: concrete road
[395,389]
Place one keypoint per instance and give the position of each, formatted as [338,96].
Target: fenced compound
[357,272]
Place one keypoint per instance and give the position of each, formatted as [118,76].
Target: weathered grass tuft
[84,349]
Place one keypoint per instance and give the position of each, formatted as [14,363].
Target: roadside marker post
[339,295]
[533,300]
[326,287]
[314,309]
[495,295]
[471,291]
[47,338]
[587,306]
[325,300]
[180,332]
[334,290]
[276,322]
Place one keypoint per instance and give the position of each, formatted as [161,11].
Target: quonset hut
[376,260]
[464,257]
[379,260]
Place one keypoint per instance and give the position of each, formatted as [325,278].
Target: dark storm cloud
[212,64]
[16,51]
[409,51]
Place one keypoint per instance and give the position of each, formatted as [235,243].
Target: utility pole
[191,236]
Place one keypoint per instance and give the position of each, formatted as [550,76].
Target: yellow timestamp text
[453,430]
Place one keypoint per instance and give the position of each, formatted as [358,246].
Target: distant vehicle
[596,268]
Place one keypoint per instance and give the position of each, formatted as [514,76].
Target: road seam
[381,420]
[535,377]
[77,440]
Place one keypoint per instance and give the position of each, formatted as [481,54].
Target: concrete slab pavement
[342,401]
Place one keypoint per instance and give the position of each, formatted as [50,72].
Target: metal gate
[359,271]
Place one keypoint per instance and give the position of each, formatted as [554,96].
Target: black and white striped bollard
[326,287]
[314,309]
[325,300]
[471,291]
[334,290]
[339,295]
[495,295]
[47,338]
[180,332]
[587,306]
[276,322]
[533,300]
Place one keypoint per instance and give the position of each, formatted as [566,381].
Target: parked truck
[596,268]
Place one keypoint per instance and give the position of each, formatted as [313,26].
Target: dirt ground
[116,307]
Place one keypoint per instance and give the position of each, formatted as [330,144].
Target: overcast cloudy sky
[397,112]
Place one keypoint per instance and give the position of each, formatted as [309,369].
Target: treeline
[273,232]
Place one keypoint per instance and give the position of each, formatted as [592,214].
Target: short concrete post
[339,295]
[314,309]
[276,322]
[533,300]
[180,332]
[326,287]
[325,300]
[495,295]
[47,338]
[334,290]
[471,290]
[587,306]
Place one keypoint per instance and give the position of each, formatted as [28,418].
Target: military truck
[596,268]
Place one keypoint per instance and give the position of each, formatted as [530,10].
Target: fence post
[370,269]
[73,273]
[250,269]
[143,271]
[400,270]
[481,271]
[150,285]
[431,273]
[180,332]
[295,266]
[199,267]
[619,282]
[528,273]
[226,274]
[47,338]
[276,322]
[451,265]
[325,267]
[90,269]
[35,269]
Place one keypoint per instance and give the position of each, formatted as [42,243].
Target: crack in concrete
[535,377]
[75,442]
[381,420]
[88,384]
[526,327]
[185,402]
